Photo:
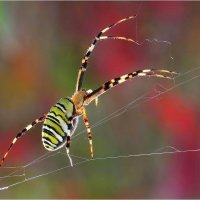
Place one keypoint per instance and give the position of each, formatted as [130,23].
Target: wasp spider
[61,120]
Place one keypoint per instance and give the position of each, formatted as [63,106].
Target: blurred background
[42,44]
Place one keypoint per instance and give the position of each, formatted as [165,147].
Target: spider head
[78,99]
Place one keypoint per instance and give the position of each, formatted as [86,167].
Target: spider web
[22,171]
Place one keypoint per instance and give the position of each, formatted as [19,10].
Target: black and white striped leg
[160,73]
[84,62]
[118,38]
[87,124]
[67,150]
[23,132]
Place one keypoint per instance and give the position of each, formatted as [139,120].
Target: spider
[61,120]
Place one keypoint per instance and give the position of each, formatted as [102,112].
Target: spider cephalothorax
[78,99]
[61,120]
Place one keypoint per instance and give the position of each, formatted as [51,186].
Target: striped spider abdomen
[59,124]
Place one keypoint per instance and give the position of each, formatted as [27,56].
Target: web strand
[140,100]
[119,112]
[85,160]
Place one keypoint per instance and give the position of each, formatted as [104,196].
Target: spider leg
[67,150]
[119,38]
[21,133]
[161,73]
[96,100]
[84,62]
[87,124]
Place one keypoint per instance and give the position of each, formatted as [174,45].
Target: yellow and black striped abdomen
[58,124]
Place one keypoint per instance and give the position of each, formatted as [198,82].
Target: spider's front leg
[99,37]
[87,124]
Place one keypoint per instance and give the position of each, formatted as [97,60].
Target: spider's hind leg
[20,134]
